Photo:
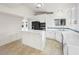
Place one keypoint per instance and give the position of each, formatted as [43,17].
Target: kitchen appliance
[36,25]
[42,26]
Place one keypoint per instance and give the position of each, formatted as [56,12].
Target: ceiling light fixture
[39,5]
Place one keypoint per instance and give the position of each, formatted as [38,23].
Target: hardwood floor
[53,47]
[17,48]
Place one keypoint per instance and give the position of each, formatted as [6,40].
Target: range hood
[42,12]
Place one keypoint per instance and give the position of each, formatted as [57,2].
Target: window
[60,22]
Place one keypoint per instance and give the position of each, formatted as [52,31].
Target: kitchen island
[34,38]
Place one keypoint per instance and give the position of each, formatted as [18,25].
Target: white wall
[11,20]
[10,26]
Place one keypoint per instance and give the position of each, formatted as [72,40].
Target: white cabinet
[33,39]
[71,41]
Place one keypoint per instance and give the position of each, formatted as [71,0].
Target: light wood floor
[17,48]
[53,47]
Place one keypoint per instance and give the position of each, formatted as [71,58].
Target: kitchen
[56,23]
[42,26]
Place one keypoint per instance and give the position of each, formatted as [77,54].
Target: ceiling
[51,6]
[45,6]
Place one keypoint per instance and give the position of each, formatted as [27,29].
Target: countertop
[71,27]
